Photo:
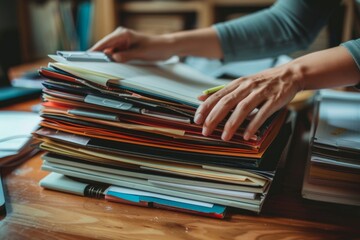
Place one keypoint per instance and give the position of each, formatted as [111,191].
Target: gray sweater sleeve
[353,47]
[287,26]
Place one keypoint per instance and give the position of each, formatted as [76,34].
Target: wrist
[175,43]
[298,74]
[199,42]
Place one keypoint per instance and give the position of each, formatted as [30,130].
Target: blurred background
[31,29]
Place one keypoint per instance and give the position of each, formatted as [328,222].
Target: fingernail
[225,136]
[246,136]
[198,118]
[205,131]
[116,57]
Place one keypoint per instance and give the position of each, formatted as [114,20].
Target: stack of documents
[333,169]
[131,126]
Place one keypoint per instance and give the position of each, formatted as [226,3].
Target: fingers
[125,56]
[241,97]
[108,51]
[218,105]
[216,108]
[242,110]
[264,113]
[203,97]
[118,39]
[211,100]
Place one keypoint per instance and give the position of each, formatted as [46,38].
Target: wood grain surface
[35,213]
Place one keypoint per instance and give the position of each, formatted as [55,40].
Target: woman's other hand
[124,45]
[268,91]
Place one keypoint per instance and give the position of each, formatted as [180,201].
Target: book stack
[131,126]
[333,169]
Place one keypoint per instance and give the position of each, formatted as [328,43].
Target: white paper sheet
[16,128]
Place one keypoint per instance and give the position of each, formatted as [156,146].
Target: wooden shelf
[196,13]
[202,9]
[103,17]
[242,3]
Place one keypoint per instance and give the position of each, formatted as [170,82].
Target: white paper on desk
[341,109]
[339,119]
[215,68]
[344,115]
[16,128]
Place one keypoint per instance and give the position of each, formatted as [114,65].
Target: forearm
[201,42]
[287,26]
[325,69]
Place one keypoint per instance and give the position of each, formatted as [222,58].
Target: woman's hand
[124,45]
[274,88]
[268,91]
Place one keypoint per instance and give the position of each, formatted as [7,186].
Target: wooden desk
[35,213]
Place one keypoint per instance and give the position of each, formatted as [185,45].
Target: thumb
[119,39]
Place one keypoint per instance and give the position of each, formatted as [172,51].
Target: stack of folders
[333,168]
[131,126]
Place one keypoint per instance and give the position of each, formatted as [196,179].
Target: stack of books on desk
[333,170]
[131,126]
